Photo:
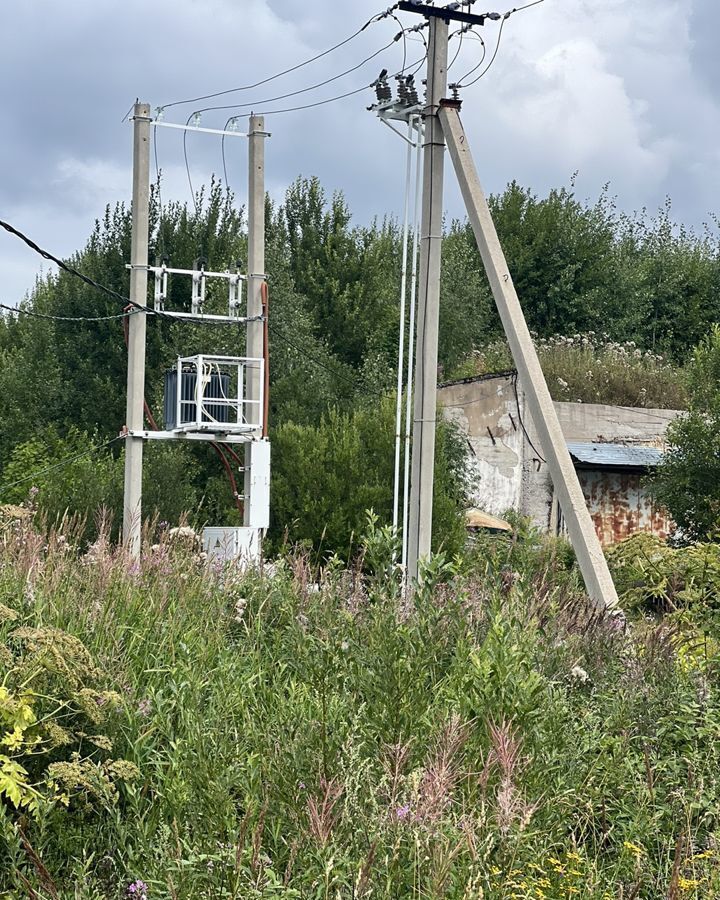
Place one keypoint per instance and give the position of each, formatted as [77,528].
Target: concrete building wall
[485,411]
[510,469]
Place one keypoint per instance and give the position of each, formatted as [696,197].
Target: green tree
[688,481]
[326,477]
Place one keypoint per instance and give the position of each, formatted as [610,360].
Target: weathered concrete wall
[618,424]
[485,411]
[508,459]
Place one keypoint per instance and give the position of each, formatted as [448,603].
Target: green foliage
[652,575]
[688,481]
[495,734]
[325,478]
[78,485]
[54,717]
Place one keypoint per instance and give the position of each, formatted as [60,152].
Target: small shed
[611,478]
[613,448]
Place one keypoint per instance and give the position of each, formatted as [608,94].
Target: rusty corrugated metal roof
[623,456]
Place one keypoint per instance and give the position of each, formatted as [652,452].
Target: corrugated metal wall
[620,506]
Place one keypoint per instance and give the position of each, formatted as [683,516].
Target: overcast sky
[622,91]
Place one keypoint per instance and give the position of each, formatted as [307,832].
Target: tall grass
[308,733]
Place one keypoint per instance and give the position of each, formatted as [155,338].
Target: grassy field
[169,730]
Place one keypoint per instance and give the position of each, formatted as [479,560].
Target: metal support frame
[591,559]
[250,376]
[442,12]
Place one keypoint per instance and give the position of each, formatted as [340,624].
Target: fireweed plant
[306,731]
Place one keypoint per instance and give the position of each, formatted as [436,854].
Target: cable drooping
[489,65]
[461,32]
[69,269]
[477,66]
[248,87]
[59,465]
[36,315]
[134,307]
[304,90]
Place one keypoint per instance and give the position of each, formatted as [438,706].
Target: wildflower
[138,889]
[240,605]
[579,674]
[34,491]
[633,848]
[144,707]
[687,884]
[402,812]
[345,646]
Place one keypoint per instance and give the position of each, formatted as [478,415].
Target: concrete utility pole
[423,451]
[591,560]
[132,506]
[256,274]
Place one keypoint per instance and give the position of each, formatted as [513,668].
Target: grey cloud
[646,70]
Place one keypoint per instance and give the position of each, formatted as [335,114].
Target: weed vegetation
[591,368]
[171,729]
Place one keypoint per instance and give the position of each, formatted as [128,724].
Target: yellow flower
[687,884]
[574,856]
[494,870]
[572,890]
[633,848]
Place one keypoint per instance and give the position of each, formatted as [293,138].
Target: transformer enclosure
[216,387]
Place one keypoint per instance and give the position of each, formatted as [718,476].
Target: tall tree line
[334,287]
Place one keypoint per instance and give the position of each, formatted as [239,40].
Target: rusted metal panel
[620,506]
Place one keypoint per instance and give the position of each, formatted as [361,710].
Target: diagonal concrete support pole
[591,559]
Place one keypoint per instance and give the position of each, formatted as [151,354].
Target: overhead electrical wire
[247,87]
[462,83]
[365,87]
[304,90]
[37,315]
[69,269]
[133,306]
[477,66]
[487,68]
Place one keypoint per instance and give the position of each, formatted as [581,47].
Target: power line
[488,66]
[376,18]
[69,269]
[365,87]
[38,315]
[134,307]
[304,90]
[482,58]
[59,465]
[505,17]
